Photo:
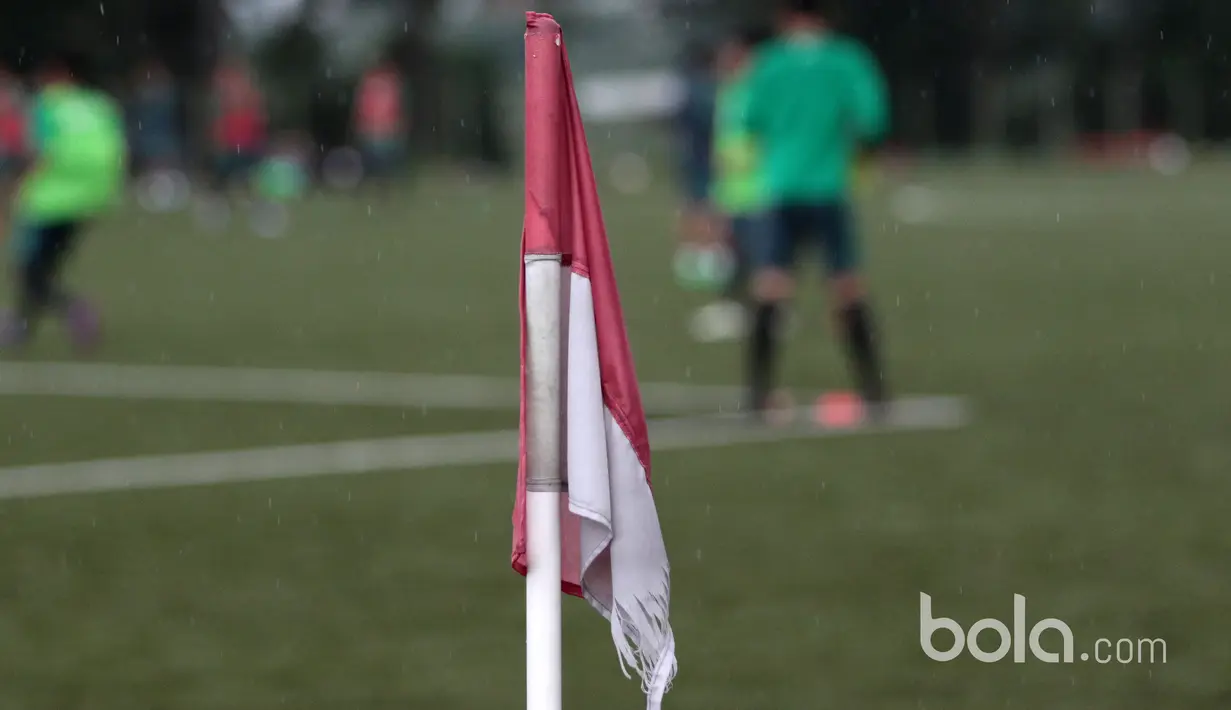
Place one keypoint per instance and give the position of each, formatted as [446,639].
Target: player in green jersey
[815,100]
[736,192]
[77,172]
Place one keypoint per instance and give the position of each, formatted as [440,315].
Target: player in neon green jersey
[77,173]
[736,193]
[816,99]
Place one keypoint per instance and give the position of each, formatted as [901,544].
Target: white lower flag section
[623,562]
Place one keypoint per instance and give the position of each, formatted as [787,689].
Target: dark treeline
[115,34]
[1016,71]
[1109,64]
[190,37]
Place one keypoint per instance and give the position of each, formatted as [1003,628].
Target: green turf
[38,430]
[1085,314]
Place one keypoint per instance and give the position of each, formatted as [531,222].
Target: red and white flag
[611,545]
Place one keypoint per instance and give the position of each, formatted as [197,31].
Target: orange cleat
[839,410]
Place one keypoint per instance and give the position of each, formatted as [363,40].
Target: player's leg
[697,220]
[42,290]
[387,158]
[726,319]
[79,316]
[248,163]
[383,162]
[405,165]
[749,233]
[773,285]
[371,163]
[223,172]
[233,170]
[741,242]
[848,291]
[694,224]
[23,243]
[35,259]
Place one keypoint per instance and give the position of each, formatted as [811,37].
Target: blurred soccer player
[695,125]
[815,99]
[155,133]
[737,193]
[380,123]
[14,149]
[77,173]
[239,125]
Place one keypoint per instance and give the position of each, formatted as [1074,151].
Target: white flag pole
[544,297]
[544,481]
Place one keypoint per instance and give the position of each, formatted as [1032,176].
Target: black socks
[861,344]
[865,357]
[761,355]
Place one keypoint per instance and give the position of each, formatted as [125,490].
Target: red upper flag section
[546,136]
[563,215]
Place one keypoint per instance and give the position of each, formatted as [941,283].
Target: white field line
[225,384]
[415,453]
[1078,202]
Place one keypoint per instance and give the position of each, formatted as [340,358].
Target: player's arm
[115,114]
[38,133]
[869,99]
[756,92]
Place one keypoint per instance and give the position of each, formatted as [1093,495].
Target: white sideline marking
[225,384]
[415,452]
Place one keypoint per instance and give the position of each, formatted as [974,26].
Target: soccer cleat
[776,409]
[878,413]
[839,410]
[877,402]
[83,324]
[781,410]
[848,410]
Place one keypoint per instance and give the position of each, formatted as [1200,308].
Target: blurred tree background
[963,72]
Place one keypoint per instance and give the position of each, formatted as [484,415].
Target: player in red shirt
[14,148]
[379,123]
[239,125]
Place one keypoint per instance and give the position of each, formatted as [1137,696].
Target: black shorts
[40,250]
[827,226]
[382,158]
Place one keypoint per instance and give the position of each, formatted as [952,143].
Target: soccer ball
[704,268]
[163,191]
[280,179]
[719,322]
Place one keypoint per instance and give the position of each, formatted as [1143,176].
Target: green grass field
[1084,314]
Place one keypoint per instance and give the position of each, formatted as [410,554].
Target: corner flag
[584,520]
